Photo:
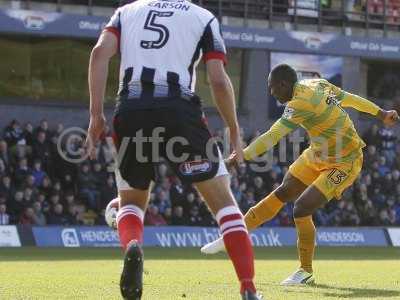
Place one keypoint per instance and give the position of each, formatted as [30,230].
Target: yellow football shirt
[317,106]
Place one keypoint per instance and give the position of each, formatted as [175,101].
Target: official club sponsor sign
[9,237]
[71,25]
[394,234]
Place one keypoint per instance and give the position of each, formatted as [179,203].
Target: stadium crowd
[39,187]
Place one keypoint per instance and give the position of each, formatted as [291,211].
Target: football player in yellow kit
[323,171]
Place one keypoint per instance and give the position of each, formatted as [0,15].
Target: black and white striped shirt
[161,44]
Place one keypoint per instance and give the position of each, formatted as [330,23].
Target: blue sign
[83,26]
[351,237]
[199,236]
[85,236]
[181,236]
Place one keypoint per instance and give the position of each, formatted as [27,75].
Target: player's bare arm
[105,49]
[224,98]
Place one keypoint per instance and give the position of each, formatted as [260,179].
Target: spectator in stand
[177,192]
[4,217]
[21,172]
[29,196]
[162,201]
[177,217]
[168,215]
[55,199]
[30,183]
[14,134]
[371,137]
[3,169]
[235,187]
[153,217]
[28,134]
[248,200]
[43,127]
[195,219]
[68,183]
[259,188]
[99,174]
[57,189]
[190,202]
[387,139]
[108,191]
[16,205]
[4,153]
[284,219]
[69,199]
[46,188]
[383,168]
[42,151]
[59,130]
[87,186]
[371,156]
[38,173]
[27,217]
[73,216]
[57,216]
[38,217]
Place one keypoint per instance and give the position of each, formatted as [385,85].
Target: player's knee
[284,193]
[300,210]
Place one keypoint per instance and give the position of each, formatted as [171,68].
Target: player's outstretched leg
[237,242]
[264,211]
[130,230]
[290,189]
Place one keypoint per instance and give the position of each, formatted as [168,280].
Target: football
[111,213]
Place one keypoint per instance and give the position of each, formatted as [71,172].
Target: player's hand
[231,162]
[236,143]
[96,128]
[389,117]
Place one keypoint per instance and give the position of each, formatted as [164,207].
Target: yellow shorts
[331,179]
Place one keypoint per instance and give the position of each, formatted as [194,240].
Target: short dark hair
[284,72]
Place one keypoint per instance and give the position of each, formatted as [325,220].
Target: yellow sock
[305,241]
[264,211]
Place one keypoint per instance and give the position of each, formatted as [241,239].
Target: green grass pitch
[341,273]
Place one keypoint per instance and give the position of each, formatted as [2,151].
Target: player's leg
[297,179]
[290,189]
[204,167]
[219,198]
[265,210]
[133,203]
[304,207]
[299,176]
[331,183]
[133,179]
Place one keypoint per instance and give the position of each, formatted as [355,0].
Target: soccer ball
[111,213]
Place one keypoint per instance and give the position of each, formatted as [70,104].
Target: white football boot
[300,277]
[213,247]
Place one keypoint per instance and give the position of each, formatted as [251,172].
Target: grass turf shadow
[349,292]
